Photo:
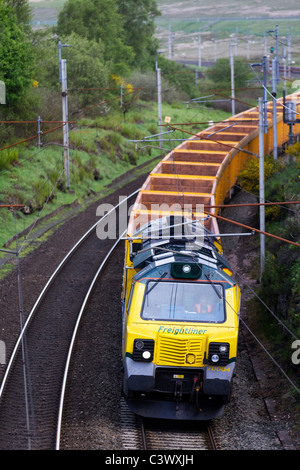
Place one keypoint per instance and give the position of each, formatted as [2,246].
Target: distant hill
[241,23]
[181,21]
[243,9]
[45,12]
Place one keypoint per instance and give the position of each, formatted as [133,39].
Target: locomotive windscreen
[184,301]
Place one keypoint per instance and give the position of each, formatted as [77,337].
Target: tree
[138,17]
[220,73]
[85,66]
[22,10]
[97,20]
[16,57]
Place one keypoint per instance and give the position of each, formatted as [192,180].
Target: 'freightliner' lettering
[181,331]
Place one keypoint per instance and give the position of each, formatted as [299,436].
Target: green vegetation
[108,48]
[16,55]
[280,286]
[101,151]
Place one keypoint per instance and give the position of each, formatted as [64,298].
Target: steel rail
[143,434]
[68,361]
[194,437]
[211,437]
[46,288]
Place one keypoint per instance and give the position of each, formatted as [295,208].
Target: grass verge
[101,150]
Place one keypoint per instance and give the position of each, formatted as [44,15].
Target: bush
[43,191]
[220,73]
[8,158]
[171,90]
[294,150]
[249,178]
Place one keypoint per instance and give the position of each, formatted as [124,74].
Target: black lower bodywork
[176,393]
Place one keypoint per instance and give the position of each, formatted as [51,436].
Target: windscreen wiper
[219,294]
[152,287]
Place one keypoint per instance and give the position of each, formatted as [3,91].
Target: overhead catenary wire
[273,97]
[32,137]
[28,202]
[193,255]
[234,99]
[29,408]
[270,356]
[12,205]
[216,141]
[260,343]
[41,211]
[222,206]
[101,103]
[255,195]
[252,228]
[208,122]
[268,308]
[34,122]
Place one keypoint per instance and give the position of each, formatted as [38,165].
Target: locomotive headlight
[139,344]
[218,353]
[143,350]
[146,355]
[186,268]
[215,358]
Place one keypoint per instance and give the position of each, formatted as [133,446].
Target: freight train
[180,300]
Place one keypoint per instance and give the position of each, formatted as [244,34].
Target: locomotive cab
[180,331]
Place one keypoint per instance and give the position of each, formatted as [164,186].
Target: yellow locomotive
[180,322]
[180,302]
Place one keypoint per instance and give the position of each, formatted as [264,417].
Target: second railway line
[91,418]
[32,384]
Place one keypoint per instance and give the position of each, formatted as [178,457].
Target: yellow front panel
[179,351]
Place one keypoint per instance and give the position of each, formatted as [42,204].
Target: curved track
[152,434]
[170,436]
[202,170]
[32,386]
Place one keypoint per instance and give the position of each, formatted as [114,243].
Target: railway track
[32,390]
[163,435]
[177,436]
[291,71]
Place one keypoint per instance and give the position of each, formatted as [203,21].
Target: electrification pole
[232,80]
[215,46]
[289,54]
[284,65]
[60,45]
[248,46]
[275,82]
[39,131]
[121,97]
[2,92]
[274,93]
[261,184]
[64,94]
[170,44]
[158,75]
[277,55]
[199,50]
[235,40]
[265,101]
[264,65]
